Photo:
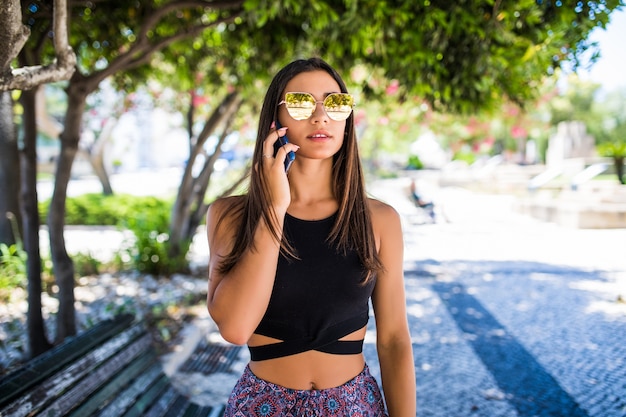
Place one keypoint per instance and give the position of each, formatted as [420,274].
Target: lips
[319,135]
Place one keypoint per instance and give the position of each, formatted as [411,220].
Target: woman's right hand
[274,169]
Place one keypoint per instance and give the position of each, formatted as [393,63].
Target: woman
[294,262]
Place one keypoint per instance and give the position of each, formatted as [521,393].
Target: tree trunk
[97,162]
[95,155]
[191,191]
[9,170]
[77,93]
[197,210]
[38,342]
[618,161]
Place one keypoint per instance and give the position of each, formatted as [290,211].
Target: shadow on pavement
[498,338]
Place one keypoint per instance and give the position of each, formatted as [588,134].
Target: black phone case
[282,140]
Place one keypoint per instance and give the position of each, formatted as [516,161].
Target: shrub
[85,264]
[101,210]
[465,156]
[12,269]
[415,162]
[146,217]
[148,250]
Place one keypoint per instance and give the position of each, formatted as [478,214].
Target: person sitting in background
[428,206]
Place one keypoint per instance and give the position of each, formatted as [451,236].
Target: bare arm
[394,346]
[237,300]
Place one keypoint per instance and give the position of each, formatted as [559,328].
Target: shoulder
[227,209]
[225,204]
[386,224]
[382,212]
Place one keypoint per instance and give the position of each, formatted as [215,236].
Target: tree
[214,69]
[13,37]
[37,339]
[190,206]
[9,170]
[466,56]
[126,37]
[517,42]
[95,154]
[574,101]
[608,129]
[440,52]
[604,115]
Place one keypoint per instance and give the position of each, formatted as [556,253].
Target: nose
[319,113]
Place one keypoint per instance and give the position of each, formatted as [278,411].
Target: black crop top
[317,299]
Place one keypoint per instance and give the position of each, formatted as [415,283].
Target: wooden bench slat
[132,372]
[192,410]
[148,397]
[163,403]
[217,411]
[110,370]
[126,398]
[96,378]
[178,407]
[208,411]
[56,384]
[48,363]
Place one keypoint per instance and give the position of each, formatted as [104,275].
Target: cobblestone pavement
[509,316]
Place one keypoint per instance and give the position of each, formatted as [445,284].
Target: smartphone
[291,156]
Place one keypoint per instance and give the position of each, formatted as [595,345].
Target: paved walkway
[509,316]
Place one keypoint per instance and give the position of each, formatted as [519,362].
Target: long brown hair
[353,226]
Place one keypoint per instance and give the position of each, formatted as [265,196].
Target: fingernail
[273,125]
[283,128]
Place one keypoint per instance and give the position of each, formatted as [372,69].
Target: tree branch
[496,8]
[26,78]
[140,54]
[154,19]
[13,35]
[63,66]
[61,45]
[244,176]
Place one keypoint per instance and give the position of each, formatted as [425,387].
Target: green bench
[112,369]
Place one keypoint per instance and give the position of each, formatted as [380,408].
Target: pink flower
[518,132]
[392,88]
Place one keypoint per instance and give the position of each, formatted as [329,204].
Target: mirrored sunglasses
[301,106]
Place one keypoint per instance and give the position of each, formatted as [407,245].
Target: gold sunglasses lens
[300,106]
[338,106]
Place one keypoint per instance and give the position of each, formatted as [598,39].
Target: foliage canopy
[459,56]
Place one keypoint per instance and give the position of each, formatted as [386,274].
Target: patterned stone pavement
[509,316]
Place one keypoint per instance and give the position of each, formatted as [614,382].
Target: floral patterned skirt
[253,396]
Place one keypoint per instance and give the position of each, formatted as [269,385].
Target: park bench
[111,369]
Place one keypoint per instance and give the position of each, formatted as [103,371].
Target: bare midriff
[308,370]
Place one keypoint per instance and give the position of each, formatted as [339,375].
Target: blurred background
[111,151]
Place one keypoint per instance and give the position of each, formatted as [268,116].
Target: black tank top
[317,299]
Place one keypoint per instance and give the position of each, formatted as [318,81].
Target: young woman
[294,262]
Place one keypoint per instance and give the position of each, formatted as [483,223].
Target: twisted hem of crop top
[326,340]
